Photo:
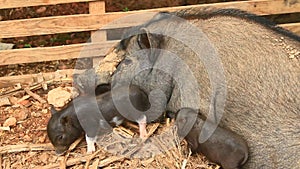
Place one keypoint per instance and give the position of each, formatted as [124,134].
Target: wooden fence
[96,19]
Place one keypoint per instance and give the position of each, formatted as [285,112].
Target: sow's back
[261,67]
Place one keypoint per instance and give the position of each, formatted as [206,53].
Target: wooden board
[58,24]
[97,36]
[26,3]
[89,22]
[32,78]
[29,55]
[293,27]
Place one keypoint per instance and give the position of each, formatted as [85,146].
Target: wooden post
[97,7]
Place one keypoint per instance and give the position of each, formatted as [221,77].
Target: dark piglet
[83,116]
[223,147]
[63,129]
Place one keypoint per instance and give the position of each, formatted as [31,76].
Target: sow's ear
[147,40]
[144,39]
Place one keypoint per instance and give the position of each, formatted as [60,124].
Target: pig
[223,147]
[63,129]
[254,69]
[83,116]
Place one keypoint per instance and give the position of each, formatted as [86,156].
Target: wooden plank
[293,27]
[89,22]
[63,24]
[100,35]
[26,3]
[32,78]
[97,8]
[30,55]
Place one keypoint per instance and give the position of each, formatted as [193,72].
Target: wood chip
[44,157]
[95,164]
[45,86]
[90,158]
[62,163]
[183,166]
[124,131]
[4,101]
[41,10]
[0,161]
[4,128]
[145,163]
[74,145]
[153,128]
[110,160]
[23,98]
[168,122]
[59,97]
[11,121]
[131,125]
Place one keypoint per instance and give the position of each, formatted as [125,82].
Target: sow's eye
[127,61]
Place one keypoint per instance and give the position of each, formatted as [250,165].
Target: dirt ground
[23,138]
[24,144]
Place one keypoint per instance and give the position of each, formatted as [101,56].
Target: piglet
[63,129]
[224,147]
[91,116]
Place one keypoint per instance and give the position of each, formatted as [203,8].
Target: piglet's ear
[66,121]
[52,109]
[185,120]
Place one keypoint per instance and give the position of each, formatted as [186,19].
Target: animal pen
[101,41]
[96,19]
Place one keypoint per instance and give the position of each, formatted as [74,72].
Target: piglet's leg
[90,144]
[142,126]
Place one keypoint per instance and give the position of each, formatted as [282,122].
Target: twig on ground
[0,161]
[74,145]
[95,164]
[25,147]
[152,129]
[124,132]
[62,163]
[35,96]
[11,91]
[23,98]
[36,86]
[131,125]
[90,158]
[110,160]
